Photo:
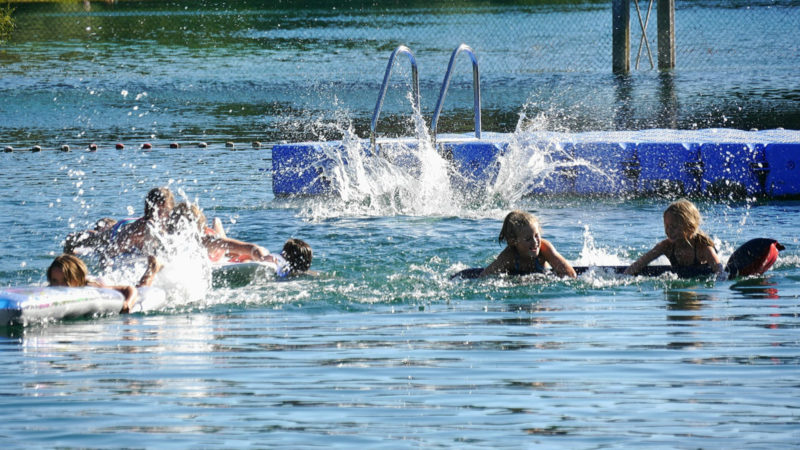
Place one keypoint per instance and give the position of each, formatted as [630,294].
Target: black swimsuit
[696,268]
[538,268]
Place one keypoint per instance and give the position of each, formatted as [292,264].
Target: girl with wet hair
[686,246]
[526,251]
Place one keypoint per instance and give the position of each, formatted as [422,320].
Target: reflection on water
[683,300]
[756,288]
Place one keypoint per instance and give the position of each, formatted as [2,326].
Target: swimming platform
[713,162]
[716,162]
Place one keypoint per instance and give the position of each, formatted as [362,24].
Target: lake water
[382,349]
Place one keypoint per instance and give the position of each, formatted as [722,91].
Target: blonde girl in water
[526,251]
[686,247]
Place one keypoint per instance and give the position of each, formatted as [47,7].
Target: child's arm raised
[560,265]
[645,259]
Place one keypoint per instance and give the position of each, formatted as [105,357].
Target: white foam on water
[593,255]
[409,176]
[397,177]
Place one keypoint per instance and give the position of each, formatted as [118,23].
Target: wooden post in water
[621,36]
[666,34]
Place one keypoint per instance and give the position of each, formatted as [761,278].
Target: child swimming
[112,238]
[686,247]
[71,271]
[188,215]
[295,257]
[526,251]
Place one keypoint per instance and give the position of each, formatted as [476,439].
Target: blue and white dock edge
[692,163]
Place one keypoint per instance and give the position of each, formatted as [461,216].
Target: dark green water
[216,71]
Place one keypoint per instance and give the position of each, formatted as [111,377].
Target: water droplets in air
[412,176]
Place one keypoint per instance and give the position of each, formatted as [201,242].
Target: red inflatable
[754,257]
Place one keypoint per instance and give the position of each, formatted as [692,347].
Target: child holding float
[526,251]
[70,271]
[686,247]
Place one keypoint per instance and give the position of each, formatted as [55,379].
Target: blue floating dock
[686,163]
[669,167]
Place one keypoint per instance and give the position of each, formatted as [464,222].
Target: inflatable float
[241,273]
[23,305]
[754,257]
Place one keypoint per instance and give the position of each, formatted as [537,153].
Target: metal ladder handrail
[476,90]
[384,87]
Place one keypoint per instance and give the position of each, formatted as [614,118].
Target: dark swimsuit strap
[674,261]
[538,268]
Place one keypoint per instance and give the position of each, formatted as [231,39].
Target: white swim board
[29,304]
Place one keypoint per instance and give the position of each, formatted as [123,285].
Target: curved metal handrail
[384,86]
[476,90]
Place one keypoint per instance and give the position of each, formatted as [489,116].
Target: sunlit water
[382,349]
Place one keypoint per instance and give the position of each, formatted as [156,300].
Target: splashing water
[186,273]
[408,177]
[592,255]
[187,269]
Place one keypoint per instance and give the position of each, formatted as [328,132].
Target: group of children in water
[143,237]
[526,251]
[686,246]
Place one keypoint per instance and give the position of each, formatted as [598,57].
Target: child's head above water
[521,233]
[681,217]
[158,203]
[67,270]
[515,223]
[186,213]
[298,254]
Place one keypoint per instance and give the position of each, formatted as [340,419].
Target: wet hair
[513,222]
[73,268]
[298,254]
[189,212]
[689,219]
[156,199]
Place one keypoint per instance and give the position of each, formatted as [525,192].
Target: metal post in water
[476,90]
[384,86]
[666,34]
[621,36]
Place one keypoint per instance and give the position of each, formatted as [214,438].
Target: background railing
[277,70]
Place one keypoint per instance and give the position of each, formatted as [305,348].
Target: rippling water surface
[382,349]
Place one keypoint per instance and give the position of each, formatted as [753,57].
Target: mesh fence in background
[518,37]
